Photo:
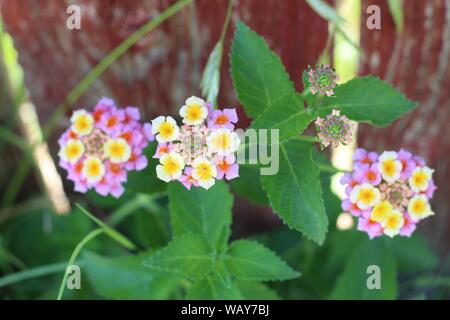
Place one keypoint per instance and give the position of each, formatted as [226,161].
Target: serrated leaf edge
[309,237]
[239,24]
[296,274]
[147,263]
[413,104]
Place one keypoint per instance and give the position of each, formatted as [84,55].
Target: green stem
[13,139]
[16,182]
[115,235]
[32,273]
[330,169]
[227,21]
[11,258]
[74,256]
[107,61]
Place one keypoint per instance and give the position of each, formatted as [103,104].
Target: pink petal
[232,172]
[141,163]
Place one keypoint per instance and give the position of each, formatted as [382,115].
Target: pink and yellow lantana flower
[202,150]
[100,147]
[388,193]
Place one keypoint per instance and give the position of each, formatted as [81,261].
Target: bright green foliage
[127,278]
[199,262]
[413,254]
[249,185]
[200,211]
[212,288]
[368,99]
[199,251]
[253,290]
[287,114]
[189,255]
[295,192]
[352,283]
[249,260]
[259,76]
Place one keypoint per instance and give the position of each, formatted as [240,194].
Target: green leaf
[252,290]
[200,211]
[287,114]
[55,245]
[413,254]
[147,229]
[211,75]
[259,76]
[352,283]
[250,260]
[212,288]
[295,192]
[221,271]
[396,9]
[368,99]
[126,278]
[248,185]
[189,255]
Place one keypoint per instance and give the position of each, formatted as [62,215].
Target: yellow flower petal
[82,122]
[117,150]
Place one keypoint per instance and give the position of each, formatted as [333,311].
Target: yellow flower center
[83,125]
[204,171]
[118,150]
[166,130]
[222,141]
[392,221]
[420,179]
[389,167]
[366,195]
[194,112]
[419,207]
[93,169]
[380,211]
[74,150]
[171,166]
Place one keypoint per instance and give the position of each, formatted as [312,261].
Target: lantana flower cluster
[100,147]
[389,193]
[202,149]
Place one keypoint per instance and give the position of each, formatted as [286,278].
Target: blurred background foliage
[36,241]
